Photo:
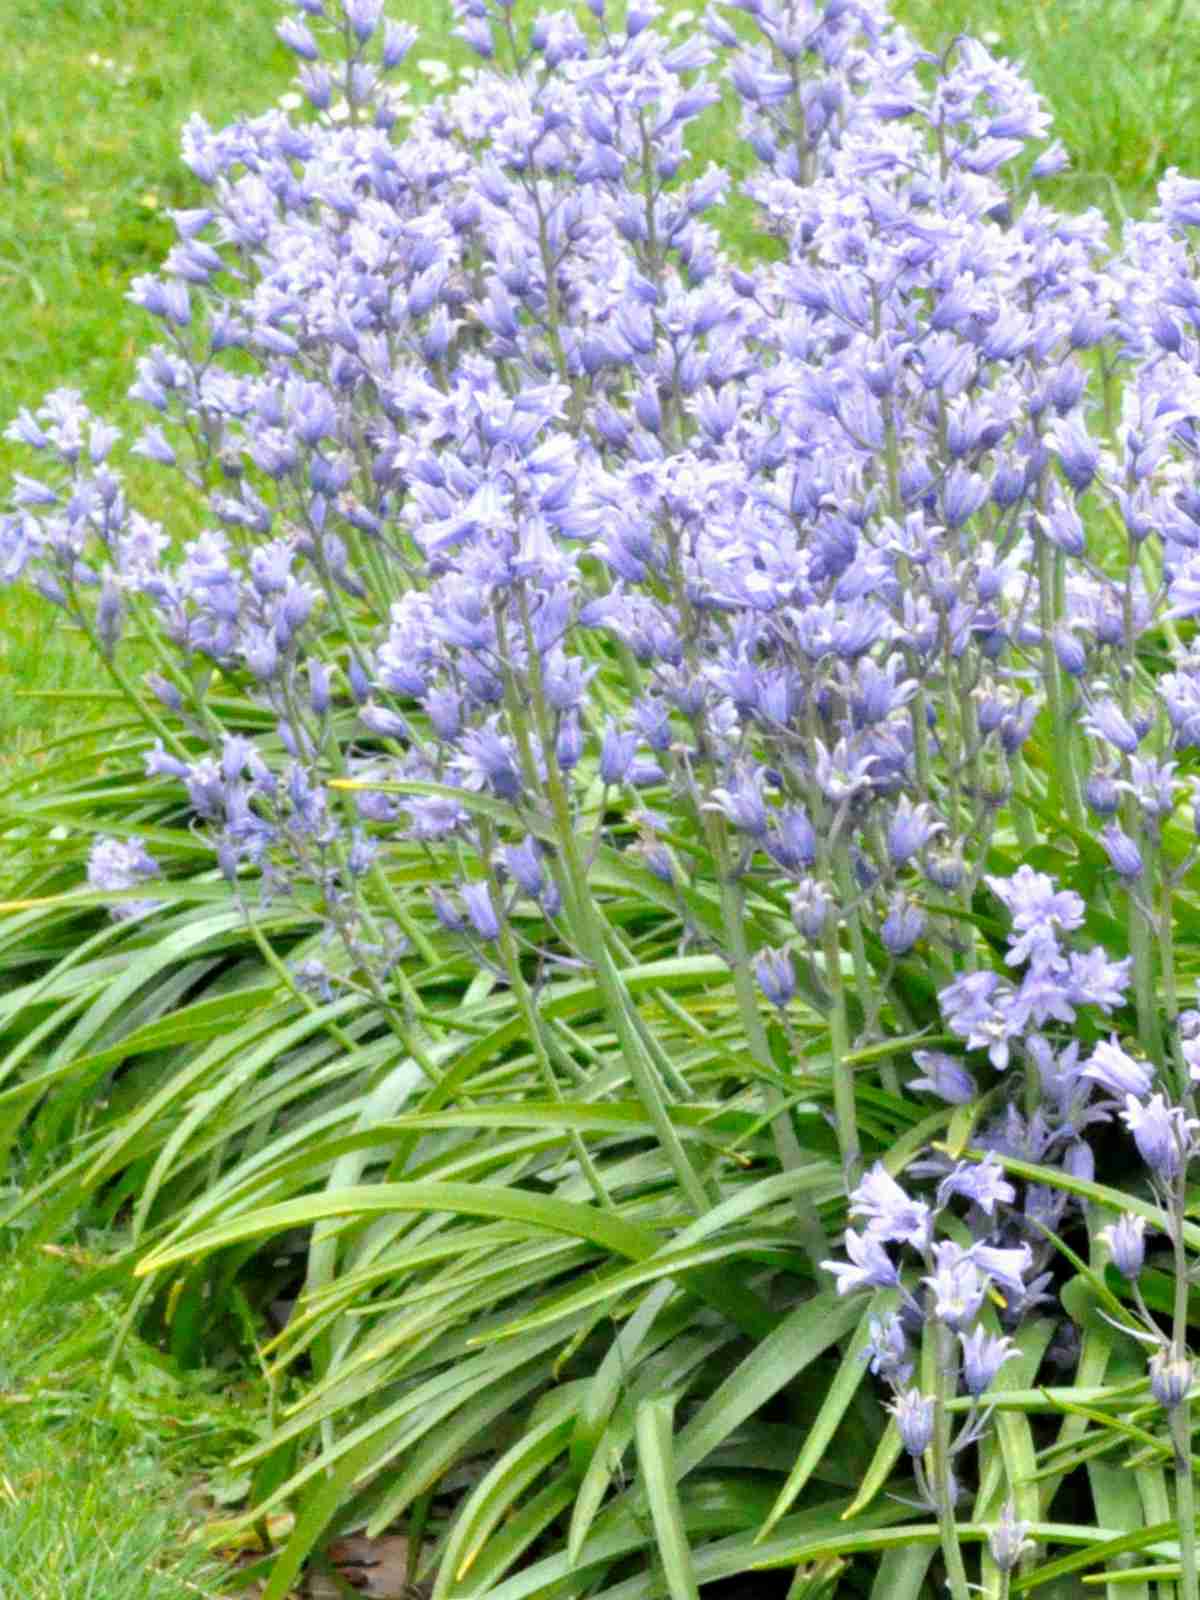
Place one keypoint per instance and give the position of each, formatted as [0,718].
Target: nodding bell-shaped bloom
[1165,1135]
[1126,1240]
[944,1076]
[983,1354]
[903,926]
[477,899]
[776,976]
[956,1284]
[983,1183]
[1170,1379]
[116,864]
[890,1214]
[811,909]
[913,1412]
[1122,852]
[1117,1071]
[887,1353]
[869,1267]
[910,830]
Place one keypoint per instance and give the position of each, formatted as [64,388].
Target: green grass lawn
[92,1492]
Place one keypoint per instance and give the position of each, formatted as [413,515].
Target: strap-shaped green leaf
[837,1401]
[654,1431]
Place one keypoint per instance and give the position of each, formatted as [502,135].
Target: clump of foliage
[651,749]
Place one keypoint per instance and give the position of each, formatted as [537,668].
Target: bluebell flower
[811,908]
[1165,1136]
[1126,1240]
[979,1007]
[869,1267]
[889,1212]
[887,1353]
[944,1076]
[983,1354]
[983,1183]
[524,862]
[1078,453]
[1170,1379]
[1102,793]
[1008,1540]
[776,976]
[1094,980]
[477,899]
[116,864]
[1106,721]
[903,926]
[913,1413]
[616,754]
[956,1284]
[1122,852]
[1009,1267]
[1039,912]
[298,38]
[910,830]
[742,802]
[792,842]
[1117,1071]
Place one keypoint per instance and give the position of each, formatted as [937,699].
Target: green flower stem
[525,1003]
[1027,834]
[866,980]
[588,927]
[945,1373]
[1051,578]
[129,689]
[400,1022]
[1179,1418]
[845,1109]
[783,1132]
[271,956]
[515,706]
[1165,940]
[1185,1504]
[1141,949]
[150,636]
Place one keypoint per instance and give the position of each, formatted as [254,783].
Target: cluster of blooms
[1011,1246]
[958,1276]
[487,420]
[961,1285]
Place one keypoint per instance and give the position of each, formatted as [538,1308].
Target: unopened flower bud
[945,871]
[1102,795]
[810,907]
[776,976]
[478,901]
[1170,1379]
[318,687]
[1122,852]
[1007,1540]
[1072,656]
[1126,1240]
[913,1412]
[903,926]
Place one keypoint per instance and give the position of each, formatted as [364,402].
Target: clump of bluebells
[945,1314]
[838,582]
